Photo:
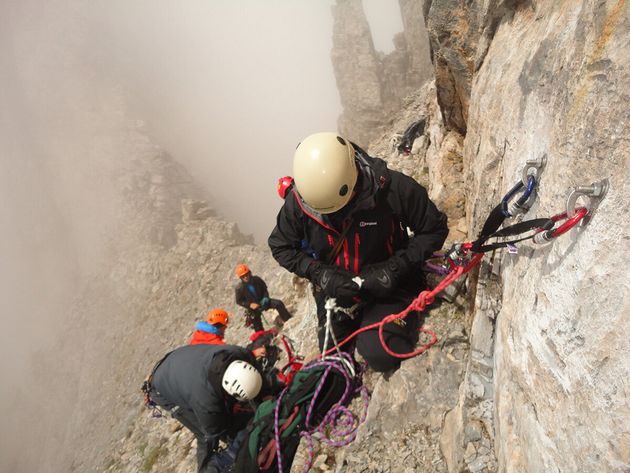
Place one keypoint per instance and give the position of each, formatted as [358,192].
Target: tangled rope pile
[339,426]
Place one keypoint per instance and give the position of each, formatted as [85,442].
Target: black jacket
[244,296]
[190,377]
[387,203]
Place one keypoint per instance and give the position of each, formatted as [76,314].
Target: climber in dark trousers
[355,213]
[252,294]
[210,389]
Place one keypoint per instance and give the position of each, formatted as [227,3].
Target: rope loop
[339,426]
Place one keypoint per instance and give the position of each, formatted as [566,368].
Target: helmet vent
[341,140]
[344,190]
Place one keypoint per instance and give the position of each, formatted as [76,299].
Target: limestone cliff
[549,338]
[373,86]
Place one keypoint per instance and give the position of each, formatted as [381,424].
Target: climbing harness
[149,403]
[271,339]
[424,299]
[147,387]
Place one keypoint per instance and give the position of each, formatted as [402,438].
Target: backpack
[259,452]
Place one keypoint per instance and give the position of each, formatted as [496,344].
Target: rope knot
[424,299]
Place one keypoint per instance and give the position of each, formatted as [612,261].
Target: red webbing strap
[268,454]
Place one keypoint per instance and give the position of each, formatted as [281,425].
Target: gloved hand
[380,279]
[334,281]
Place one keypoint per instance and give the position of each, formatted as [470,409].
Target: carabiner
[523,203]
[455,256]
[545,236]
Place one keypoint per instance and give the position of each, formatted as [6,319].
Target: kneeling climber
[357,216]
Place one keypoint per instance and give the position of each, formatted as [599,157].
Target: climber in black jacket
[252,294]
[209,389]
[355,214]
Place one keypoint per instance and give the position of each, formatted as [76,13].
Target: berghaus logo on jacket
[363,223]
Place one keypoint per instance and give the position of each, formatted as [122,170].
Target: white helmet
[324,171]
[242,381]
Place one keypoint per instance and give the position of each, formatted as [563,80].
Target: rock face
[460,35]
[417,40]
[372,85]
[522,86]
[353,56]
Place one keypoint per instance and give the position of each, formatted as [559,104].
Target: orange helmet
[241,270]
[283,185]
[218,316]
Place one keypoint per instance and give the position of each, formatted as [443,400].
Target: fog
[227,88]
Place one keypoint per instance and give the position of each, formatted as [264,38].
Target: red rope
[424,299]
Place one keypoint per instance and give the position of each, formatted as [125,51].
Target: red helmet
[218,316]
[283,185]
[241,270]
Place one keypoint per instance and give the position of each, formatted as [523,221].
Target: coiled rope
[339,426]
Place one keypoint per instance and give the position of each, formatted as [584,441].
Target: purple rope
[276,428]
[339,419]
[330,365]
[319,388]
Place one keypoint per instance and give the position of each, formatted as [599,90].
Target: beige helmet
[324,171]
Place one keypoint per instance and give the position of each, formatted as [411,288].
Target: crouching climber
[357,215]
[252,294]
[212,390]
[212,330]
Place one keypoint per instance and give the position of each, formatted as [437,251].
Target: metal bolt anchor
[595,193]
[537,164]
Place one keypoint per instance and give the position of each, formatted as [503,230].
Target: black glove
[380,279]
[334,281]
